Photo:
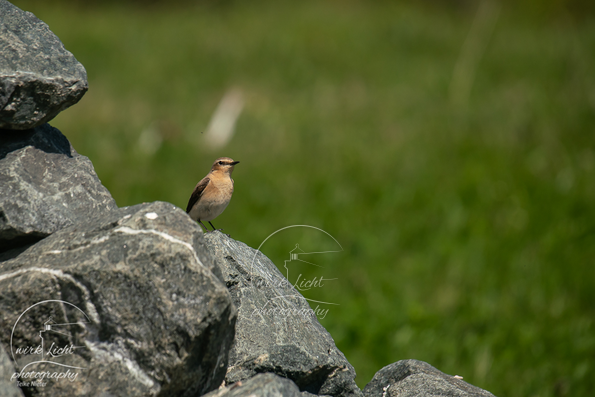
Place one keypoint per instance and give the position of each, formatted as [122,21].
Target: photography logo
[303,277]
[44,348]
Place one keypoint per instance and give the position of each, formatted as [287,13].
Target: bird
[213,193]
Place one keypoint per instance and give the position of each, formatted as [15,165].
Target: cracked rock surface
[276,331]
[136,296]
[38,77]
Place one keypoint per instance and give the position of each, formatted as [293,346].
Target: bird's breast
[215,200]
[223,188]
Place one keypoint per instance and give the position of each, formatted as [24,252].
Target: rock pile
[97,300]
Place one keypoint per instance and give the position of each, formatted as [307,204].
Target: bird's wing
[198,191]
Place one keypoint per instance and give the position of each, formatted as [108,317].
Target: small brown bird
[212,194]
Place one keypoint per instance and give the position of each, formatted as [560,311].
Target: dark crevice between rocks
[311,382]
[45,138]
[13,247]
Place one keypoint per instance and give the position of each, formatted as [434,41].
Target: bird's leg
[214,230]
[202,224]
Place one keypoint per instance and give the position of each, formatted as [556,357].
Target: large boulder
[127,303]
[38,77]
[413,378]
[46,186]
[276,330]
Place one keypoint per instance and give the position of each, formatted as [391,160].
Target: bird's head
[224,164]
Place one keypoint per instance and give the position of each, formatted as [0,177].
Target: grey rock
[46,186]
[38,77]
[276,330]
[135,292]
[262,385]
[409,378]
[8,387]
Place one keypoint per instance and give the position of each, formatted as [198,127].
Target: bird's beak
[234,162]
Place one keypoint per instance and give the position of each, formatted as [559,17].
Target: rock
[262,385]
[38,77]
[276,330]
[46,186]
[8,387]
[408,378]
[135,298]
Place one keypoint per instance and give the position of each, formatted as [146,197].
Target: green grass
[468,221]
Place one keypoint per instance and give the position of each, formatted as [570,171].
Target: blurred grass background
[448,146]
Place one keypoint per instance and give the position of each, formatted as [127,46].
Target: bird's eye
[221,163]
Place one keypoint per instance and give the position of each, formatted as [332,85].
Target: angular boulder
[125,304]
[38,77]
[411,378]
[276,331]
[46,186]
